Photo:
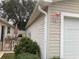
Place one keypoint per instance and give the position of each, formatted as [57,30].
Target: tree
[1,10]
[18,11]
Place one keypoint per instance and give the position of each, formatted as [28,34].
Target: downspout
[45,31]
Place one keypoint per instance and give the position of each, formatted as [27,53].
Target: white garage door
[71,38]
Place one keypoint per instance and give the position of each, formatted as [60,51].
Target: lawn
[8,56]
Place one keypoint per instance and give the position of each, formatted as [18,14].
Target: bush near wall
[27,56]
[26,45]
[56,57]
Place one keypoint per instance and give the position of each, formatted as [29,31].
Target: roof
[5,22]
[36,12]
[34,15]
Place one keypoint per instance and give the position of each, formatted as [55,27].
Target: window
[8,30]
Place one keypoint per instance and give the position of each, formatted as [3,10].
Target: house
[55,27]
[5,30]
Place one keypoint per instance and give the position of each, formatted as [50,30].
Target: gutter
[45,31]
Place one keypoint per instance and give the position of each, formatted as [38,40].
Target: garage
[71,38]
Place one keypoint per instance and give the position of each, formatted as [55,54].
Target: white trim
[45,35]
[70,14]
[63,14]
[45,31]
[61,42]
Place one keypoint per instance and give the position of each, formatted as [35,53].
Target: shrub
[56,57]
[26,45]
[27,56]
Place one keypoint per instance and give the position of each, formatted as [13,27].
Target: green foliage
[56,57]
[18,12]
[26,45]
[27,56]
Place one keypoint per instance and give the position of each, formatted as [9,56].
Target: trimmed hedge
[27,56]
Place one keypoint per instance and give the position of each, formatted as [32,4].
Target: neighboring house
[5,30]
[21,32]
[56,29]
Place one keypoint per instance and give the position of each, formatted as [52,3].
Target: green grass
[8,56]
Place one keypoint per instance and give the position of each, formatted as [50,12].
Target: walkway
[2,53]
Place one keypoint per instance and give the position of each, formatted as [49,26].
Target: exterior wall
[12,32]
[2,24]
[22,32]
[5,32]
[0,38]
[36,32]
[6,26]
[54,24]
[0,34]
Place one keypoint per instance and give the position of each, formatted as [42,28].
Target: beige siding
[36,31]
[54,24]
